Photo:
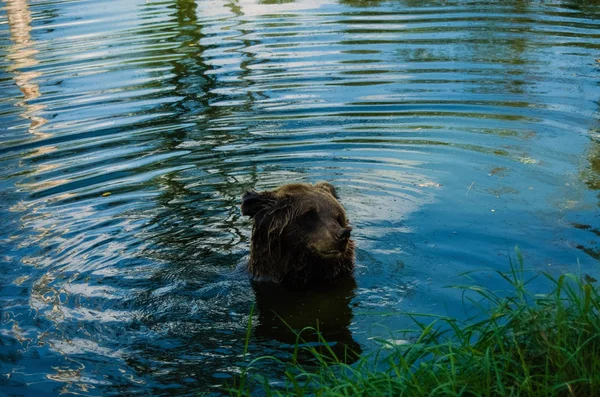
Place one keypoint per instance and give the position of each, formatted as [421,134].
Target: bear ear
[328,187]
[254,202]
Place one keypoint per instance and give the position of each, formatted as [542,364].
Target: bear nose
[344,234]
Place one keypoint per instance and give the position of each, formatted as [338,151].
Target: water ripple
[129,130]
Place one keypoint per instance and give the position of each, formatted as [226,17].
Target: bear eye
[309,216]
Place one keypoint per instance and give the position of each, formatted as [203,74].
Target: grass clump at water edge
[518,344]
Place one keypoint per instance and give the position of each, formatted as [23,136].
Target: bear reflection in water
[301,263]
[283,312]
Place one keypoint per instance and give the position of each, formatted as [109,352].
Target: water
[453,130]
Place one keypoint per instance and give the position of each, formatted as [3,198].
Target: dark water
[454,130]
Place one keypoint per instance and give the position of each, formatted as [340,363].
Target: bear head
[300,234]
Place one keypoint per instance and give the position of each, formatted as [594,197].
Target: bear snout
[344,233]
[334,245]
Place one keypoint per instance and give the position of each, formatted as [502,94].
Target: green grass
[518,344]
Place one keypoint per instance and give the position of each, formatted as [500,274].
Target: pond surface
[129,130]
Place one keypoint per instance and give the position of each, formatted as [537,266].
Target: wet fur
[285,246]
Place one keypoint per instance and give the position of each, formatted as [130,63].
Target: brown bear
[300,235]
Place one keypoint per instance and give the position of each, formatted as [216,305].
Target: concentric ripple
[129,130]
